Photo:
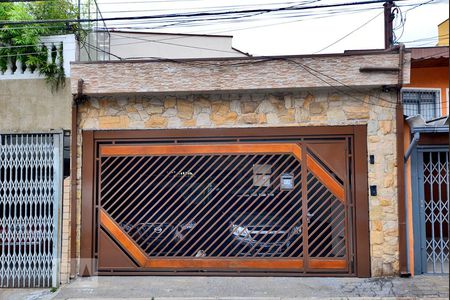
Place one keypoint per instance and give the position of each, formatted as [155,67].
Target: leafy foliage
[21,42]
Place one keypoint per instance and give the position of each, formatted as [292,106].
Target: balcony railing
[18,70]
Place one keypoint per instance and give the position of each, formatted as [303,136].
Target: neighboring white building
[146,45]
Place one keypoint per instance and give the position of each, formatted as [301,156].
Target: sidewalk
[237,288]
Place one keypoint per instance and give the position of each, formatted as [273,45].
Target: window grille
[421,102]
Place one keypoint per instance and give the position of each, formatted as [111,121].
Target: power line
[194,14]
[191,21]
[254,19]
[348,34]
[206,8]
[313,16]
[148,2]
[418,5]
[174,38]
[312,71]
[308,69]
[427,38]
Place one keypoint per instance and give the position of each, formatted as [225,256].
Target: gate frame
[362,266]
[420,256]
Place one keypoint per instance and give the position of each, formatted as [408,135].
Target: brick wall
[311,107]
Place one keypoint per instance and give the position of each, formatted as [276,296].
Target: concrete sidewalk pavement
[243,288]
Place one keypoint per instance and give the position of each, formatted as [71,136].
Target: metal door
[433,210]
[259,206]
[30,194]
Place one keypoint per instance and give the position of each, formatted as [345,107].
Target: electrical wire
[191,23]
[127,37]
[208,8]
[350,33]
[310,70]
[192,14]
[427,38]
[181,37]
[313,72]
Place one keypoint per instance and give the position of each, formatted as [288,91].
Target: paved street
[237,288]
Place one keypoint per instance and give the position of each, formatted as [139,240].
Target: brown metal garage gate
[249,201]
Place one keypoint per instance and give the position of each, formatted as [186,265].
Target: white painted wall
[151,45]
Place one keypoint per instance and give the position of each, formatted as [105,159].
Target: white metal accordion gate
[30,196]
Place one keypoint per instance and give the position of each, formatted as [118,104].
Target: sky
[290,33]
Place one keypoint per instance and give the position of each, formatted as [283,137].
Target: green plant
[54,70]
[53,289]
[22,43]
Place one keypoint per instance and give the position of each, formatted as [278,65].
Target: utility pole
[388,24]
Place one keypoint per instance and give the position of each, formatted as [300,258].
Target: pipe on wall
[73,190]
[411,146]
[401,200]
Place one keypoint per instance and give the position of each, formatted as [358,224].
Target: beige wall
[305,108]
[28,105]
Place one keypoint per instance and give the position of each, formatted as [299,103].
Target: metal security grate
[205,206]
[436,210]
[222,206]
[30,189]
[422,102]
[326,221]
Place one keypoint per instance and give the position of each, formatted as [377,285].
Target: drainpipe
[401,200]
[411,146]
[408,152]
[73,191]
[77,98]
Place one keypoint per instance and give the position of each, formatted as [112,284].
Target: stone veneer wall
[306,108]
[65,245]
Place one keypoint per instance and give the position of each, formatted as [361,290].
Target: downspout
[401,201]
[73,190]
[411,146]
[409,150]
[77,99]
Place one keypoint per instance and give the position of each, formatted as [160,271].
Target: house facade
[426,104]
[35,147]
[34,163]
[282,165]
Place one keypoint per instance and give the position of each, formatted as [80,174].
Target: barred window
[421,102]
